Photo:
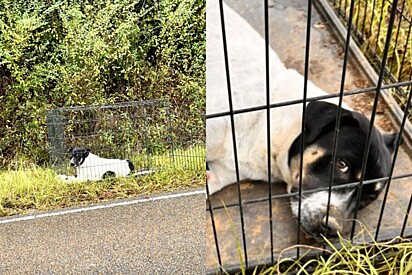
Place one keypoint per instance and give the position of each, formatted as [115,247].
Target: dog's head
[316,169]
[78,156]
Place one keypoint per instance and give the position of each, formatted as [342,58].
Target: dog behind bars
[246,61]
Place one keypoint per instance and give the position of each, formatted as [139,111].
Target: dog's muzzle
[73,164]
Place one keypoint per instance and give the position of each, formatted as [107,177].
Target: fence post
[55,132]
[170,133]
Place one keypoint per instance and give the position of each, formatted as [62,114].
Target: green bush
[62,53]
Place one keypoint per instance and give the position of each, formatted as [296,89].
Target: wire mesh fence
[246,89]
[145,132]
[369,30]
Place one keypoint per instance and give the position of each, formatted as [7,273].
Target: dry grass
[343,257]
[371,19]
[26,187]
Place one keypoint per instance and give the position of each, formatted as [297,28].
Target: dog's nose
[332,227]
[72,164]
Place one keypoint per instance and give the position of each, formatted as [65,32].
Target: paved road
[164,236]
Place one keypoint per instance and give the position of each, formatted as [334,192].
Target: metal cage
[146,132]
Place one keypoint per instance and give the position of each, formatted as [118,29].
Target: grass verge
[365,256]
[29,188]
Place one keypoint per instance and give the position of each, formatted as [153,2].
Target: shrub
[59,53]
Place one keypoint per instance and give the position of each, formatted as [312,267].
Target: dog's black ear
[321,116]
[86,152]
[390,141]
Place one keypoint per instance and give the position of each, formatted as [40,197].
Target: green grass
[367,18]
[27,187]
[371,18]
[364,256]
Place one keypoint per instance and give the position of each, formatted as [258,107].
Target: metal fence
[236,200]
[369,28]
[148,133]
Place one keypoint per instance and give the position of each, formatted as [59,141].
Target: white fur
[94,167]
[246,54]
[317,202]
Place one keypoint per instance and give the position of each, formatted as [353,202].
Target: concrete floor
[287,36]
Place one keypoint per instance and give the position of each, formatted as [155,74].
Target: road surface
[160,235]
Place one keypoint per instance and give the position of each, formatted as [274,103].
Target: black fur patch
[320,131]
[109,174]
[79,155]
[131,166]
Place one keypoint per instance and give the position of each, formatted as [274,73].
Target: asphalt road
[155,236]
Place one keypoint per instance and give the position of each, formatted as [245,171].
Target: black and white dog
[246,59]
[90,167]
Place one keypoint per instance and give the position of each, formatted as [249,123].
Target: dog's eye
[342,165]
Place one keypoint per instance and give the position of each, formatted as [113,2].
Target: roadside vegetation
[60,53]
[27,187]
[371,19]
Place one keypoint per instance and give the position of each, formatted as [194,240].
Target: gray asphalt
[158,237]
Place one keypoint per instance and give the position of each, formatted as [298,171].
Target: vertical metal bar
[364,22]
[371,23]
[375,105]
[55,134]
[269,155]
[212,219]
[128,143]
[380,24]
[397,37]
[404,50]
[339,112]
[405,221]
[345,8]
[358,15]
[395,155]
[302,143]
[339,6]
[232,124]
[146,138]
[166,106]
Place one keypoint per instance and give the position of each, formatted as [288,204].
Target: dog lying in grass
[90,167]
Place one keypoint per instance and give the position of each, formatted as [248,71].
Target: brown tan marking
[311,155]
